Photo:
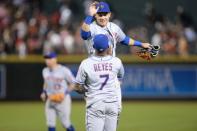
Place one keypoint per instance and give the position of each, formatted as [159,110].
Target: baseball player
[97,76]
[98,23]
[58,81]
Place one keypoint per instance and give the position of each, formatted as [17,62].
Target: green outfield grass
[136,116]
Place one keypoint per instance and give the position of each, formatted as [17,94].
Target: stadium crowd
[29,27]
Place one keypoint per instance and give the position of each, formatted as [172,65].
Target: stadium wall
[164,78]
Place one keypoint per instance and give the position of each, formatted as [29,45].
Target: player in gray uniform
[98,23]
[58,82]
[97,76]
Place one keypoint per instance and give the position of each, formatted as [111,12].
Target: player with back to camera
[97,76]
[58,82]
[97,22]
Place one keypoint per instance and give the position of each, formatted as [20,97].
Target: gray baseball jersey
[56,81]
[112,31]
[99,76]
[115,35]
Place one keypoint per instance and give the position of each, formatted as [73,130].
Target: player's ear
[109,50]
[109,14]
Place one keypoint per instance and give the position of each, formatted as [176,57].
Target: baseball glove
[149,54]
[59,97]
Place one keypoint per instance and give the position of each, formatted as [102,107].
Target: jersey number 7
[105,77]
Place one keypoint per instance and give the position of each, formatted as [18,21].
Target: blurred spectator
[2,49]
[7,40]
[138,33]
[4,15]
[55,41]
[68,41]
[35,27]
[86,4]
[18,2]
[183,17]
[165,37]
[183,46]
[187,22]
[79,42]
[21,49]
[65,15]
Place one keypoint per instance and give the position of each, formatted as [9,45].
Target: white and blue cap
[101,42]
[50,55]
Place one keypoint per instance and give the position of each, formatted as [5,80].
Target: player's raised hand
[92,9]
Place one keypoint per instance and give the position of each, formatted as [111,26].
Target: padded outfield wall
[163,78]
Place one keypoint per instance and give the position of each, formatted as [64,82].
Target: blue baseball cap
[101,42]
[103,7]
[50,55]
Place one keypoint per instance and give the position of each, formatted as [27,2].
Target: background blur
[36,26]
[29,28]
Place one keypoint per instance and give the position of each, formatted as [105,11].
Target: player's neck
[54,66]
[102,54]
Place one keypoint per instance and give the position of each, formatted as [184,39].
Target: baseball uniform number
[106,77]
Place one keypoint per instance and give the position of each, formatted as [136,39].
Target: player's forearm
[44,87]
[71,87]
[85,31]
[85,28]
[80,89]
[131,42]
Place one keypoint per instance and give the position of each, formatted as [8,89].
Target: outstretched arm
[85,28]
[129,41]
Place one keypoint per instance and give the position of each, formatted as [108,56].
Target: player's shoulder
[113,25]
[45,69]
[85,61]
[117,59]
[93,24]
[63,67]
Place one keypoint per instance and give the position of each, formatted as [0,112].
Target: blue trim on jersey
[85,35]
[125,41]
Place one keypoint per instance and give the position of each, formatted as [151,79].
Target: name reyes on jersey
[103,67]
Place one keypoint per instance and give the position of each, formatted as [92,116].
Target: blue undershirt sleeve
[125,41]
[85,35]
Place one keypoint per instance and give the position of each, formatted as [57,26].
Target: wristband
[88,20]
[137,43]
